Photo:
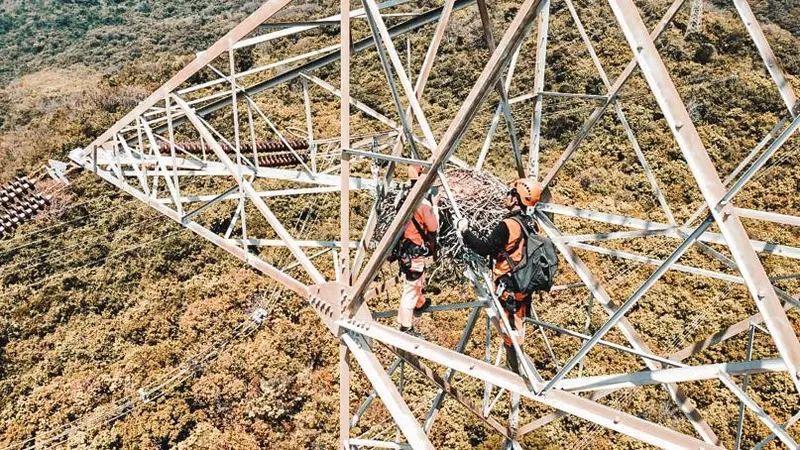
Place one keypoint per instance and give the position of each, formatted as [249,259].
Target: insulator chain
[274,153]
[18,204]
[245,146]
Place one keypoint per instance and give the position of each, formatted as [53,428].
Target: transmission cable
[99,260]
[57,253]
[66,222]
[176,376]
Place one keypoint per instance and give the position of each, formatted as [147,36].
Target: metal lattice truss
[225,174]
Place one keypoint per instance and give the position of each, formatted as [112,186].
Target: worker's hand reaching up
[462,225]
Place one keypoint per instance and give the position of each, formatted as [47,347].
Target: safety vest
[513,248]
[424,216]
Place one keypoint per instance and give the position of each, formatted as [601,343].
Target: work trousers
[413,284]
[517,319]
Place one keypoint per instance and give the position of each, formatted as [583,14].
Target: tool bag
[406,249]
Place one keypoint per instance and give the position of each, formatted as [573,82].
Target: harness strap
[419,228]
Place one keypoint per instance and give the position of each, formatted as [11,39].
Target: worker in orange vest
[413,253]
[506,241]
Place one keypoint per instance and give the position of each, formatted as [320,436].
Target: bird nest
[479,197]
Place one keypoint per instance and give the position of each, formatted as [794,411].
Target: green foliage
[109,34]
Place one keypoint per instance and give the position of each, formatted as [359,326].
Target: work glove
[462,225]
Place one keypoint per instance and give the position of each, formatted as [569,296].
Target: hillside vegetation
[102,295]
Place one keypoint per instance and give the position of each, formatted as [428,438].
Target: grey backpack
[539,264]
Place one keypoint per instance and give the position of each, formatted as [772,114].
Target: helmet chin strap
[515,205]
[517,202]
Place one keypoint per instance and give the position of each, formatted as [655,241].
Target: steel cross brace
[364,107]
[627,329]
[355,13]
[764,49]
[542,32]
[632,222]
[709,183]
[379,29]
[621,116]
[487,142]
[443,383]
[570,403]
[462,344]
[410,25]
[772,436]
[678,356]
[248,190]
[371,397]
[223,44]
[432,413]
[387,391]
[397,150]
[488,78]
[252,104]
[387,69]
[753,153]
[612,93]
[299,288]
[670,375]
[502,91]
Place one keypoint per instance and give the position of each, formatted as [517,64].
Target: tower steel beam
[387,391]
[612,93]
[767,55]
[677,356]
[358,46]
[502,91]
[627,329]
[607,417]
[670,375]
[248,190]
[709,183]
[299,288]
[218,48]
[542,32]
[488,78]
[621,115]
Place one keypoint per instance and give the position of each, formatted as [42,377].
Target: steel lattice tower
[146,155]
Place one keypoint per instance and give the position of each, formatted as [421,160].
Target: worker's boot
[511,360]
[419,308]
[432,289]
[411,332]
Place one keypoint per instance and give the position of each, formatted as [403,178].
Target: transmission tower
[215,130]
[695,17]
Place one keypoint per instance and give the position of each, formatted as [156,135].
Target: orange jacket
[426,219]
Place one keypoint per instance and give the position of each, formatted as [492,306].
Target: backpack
[539,264]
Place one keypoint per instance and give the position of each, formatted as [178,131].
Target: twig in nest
[479,196]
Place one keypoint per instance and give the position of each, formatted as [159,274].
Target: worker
[413,253]
[506,246]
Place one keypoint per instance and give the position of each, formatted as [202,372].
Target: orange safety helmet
[414,171]
[528,191]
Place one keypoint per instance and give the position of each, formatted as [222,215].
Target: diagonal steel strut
[709,183]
